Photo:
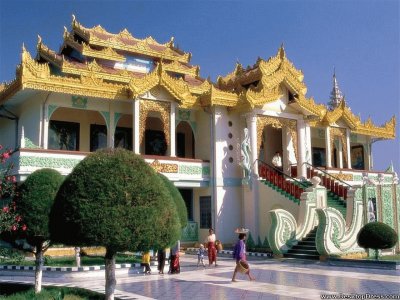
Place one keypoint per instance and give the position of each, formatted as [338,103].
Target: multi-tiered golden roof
[94,76]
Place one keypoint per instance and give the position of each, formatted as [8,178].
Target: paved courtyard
[275,279]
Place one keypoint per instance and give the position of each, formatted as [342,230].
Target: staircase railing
[336,185]
[283,181]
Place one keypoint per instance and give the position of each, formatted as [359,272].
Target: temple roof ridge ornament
[125,41]
[336,96]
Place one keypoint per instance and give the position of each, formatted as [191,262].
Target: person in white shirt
[277,161]
[212,250]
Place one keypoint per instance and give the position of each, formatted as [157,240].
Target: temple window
[98,137]
[63,135]
[184,140]
[357,157]
[135,64]
[187,195]
[123,138]
[205,212]
[318,157]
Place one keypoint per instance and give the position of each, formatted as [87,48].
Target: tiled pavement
[275,279]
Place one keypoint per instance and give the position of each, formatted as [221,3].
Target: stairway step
[304,247]
[301,256]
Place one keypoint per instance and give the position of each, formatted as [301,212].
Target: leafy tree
[9,219]
[377,235]
[113,198]
[177,197]
[34,201]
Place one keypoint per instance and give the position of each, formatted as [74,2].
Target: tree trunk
[376,254]
[78,256]
[38,267]
[110,274]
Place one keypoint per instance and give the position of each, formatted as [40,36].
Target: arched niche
[185,142]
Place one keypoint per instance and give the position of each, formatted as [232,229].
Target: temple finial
[281,51]
[336,95]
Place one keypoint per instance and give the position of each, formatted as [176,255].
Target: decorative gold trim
[290,124]
[341,176]
[164,168]
[147,106]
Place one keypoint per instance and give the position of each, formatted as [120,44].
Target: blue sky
[361,39]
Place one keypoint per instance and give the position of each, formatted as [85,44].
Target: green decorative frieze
[184,115]
[50,110]
[48,162]
[190,233]
[194,170]
[353,138]
[106,116]
[387,206]
[388,179]
[357,178]
[79,102]
[29,144]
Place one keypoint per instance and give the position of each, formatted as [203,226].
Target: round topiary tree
[35,197]
[377,235]
[177,197]
[113,198]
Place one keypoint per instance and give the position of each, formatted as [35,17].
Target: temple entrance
[184,140]
[271,143]
[155,142]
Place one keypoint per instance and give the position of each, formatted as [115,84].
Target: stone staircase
[305,249]
[337,202]
[281,191]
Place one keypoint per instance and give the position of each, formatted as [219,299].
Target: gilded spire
[336,95]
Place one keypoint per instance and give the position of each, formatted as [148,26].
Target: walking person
[200,255]
[146,262]
[174,267]
[212,250]
[161,255]
[239,254]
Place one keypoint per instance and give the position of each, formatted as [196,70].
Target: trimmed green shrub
[377,235]
[35,197]
[113,198]
[250,245]
[177,197]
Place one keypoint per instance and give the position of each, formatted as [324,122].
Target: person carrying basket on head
[239,253]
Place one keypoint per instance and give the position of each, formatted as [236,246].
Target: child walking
[146,262]
[200,255]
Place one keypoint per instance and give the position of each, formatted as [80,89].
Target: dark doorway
[155,143]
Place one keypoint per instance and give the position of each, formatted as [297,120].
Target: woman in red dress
[212,250]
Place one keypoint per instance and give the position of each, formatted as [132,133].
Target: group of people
[239,254]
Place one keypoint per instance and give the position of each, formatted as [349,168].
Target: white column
[301,146]
[45,126]
[340,154]
[309,145]
[252,123]
[348,148]
[172,141]
[111,128]
[136,126]
[328,152]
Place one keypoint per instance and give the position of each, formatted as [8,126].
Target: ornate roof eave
[387,131]
[176,87]
[309,105]
[9,89]
[141,46]
[262,97]
[177,67]
[218,97]
[200,89]
[37,76]
[342,111]
[86,50]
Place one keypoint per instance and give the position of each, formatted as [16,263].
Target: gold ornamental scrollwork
[340,133]
[274,122]
[164,168]
[147,106]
